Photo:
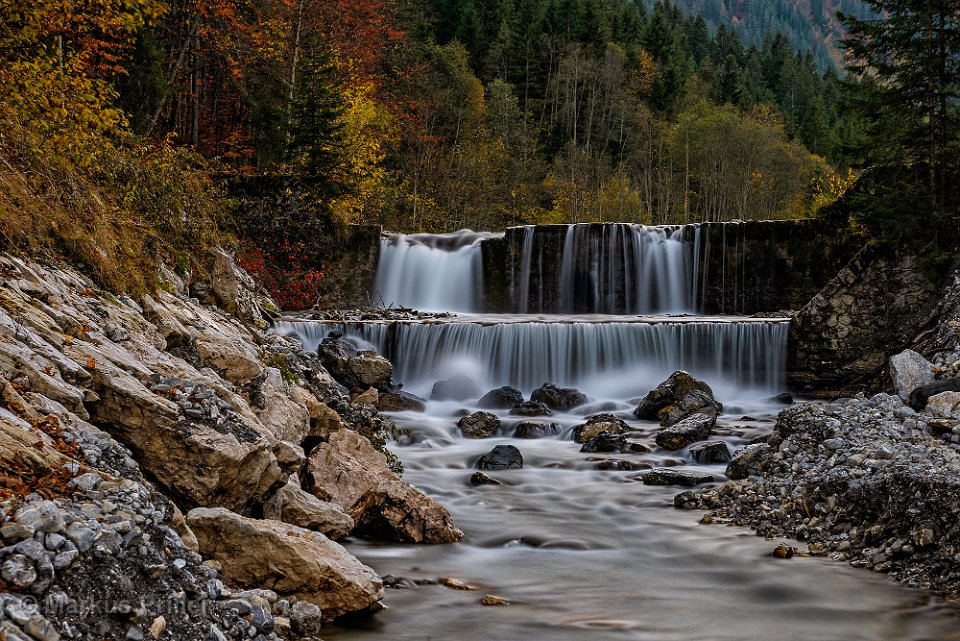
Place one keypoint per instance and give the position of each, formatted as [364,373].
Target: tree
[907,63]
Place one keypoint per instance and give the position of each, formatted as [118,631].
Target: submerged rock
[502,457]
[479,478]
[479,425]
[605,442]
[535,429]
[672,476]
[561,399]
[530,408]
[599,423]
[502,398]
[287,559]
[456,388]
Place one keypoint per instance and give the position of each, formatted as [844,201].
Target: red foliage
[287,274]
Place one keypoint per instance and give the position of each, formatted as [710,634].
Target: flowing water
[584,553]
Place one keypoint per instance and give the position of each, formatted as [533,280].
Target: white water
[436,272]
[606,358]
[608,268]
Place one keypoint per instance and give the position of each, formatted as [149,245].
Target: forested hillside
[809,25]
[126,122]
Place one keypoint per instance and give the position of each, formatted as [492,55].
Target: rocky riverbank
[171,470]
[870,481]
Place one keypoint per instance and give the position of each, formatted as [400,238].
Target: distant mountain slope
[811,25]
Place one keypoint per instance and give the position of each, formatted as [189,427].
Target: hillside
[810,25]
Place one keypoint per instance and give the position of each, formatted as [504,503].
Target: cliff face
[118,416]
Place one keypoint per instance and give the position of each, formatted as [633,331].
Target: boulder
[502,457]
[673,476]
[479,425]
[401,402]
[691,403]
[919,397]
[369,397]
[456,388]
[502,398]
[561,399]
[348,471]
[198,464]
[667,393]
[353,366]
[530,408]
[599,423]
[909,370]
[746,461]
[710,452]
[290,504]
[535,429]
[693,428]
[292,561]
[605,442]
[233,289]
[944,405]
[479,478]
[276,407]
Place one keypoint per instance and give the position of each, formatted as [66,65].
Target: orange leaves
[91,363]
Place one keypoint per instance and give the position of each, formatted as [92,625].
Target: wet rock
[669,393]
[535,429]
[492,599]
[369,397]
[291,560]
[456,388]
[599,423]
[479,478]
[348,471]
[909,370]
[614,465]
[784,398]
[291,504]
[696,401]
[502,457]
[919,396]
[530,408]
[783,551]
[502,398]
[561,399]
[401,402]
[479,425]
[353,366]
[710,452]
[605,442]
[691,429]
[672,476]
[687,501]
[746,461]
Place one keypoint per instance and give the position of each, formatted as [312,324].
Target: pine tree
[908,66]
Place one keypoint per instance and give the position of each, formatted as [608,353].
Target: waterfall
[437,272]
[605,359]
[601,268]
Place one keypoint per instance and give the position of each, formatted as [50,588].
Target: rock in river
[530,408]
[535,429]
[690,430]
[456,388]
[659,403]
[672,476]
[558,398]
[596,424]
[710,452]
[502,398]
[479,425]
[502,457]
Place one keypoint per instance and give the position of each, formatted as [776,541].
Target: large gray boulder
[348,471]
[909,370]
[291,561]
[561,399]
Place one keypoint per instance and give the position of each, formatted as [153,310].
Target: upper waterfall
[437,272]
